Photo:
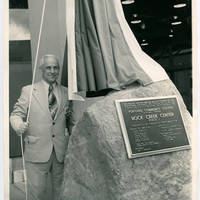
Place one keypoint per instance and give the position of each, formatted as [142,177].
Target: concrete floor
[16,194]
[19,194]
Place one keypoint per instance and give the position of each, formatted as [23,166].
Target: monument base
[97,166]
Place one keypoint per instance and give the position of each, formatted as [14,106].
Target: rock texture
[96,163]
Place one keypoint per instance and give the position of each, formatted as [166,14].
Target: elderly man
[46,136]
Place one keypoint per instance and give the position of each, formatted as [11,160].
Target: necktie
[53,106]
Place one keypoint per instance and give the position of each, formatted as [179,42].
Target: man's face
[50,73]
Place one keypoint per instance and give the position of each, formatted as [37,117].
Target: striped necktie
[53,106]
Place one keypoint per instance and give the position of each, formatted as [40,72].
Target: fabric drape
[104,57]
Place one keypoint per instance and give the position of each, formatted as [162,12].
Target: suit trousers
[37,174]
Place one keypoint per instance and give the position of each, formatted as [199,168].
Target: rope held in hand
[30,97]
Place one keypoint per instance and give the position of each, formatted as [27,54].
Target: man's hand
[22,128]
[18,124]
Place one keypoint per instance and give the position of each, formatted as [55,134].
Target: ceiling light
[127,2]
[144,44]
[143,40]
[171,30]
[171,35]
[175,17]
[135,15]
[180,5]
[136,21]
[176,23]
[143,26]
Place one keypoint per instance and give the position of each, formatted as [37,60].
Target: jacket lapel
[62,101]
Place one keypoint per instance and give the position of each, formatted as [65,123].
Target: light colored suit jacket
[43,132]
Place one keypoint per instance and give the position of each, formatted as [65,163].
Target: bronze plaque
[152,126]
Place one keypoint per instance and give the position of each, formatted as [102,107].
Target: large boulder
[96,162]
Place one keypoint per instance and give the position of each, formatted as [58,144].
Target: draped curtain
[103,54]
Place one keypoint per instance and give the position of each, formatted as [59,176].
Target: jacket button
[53,123]
[53,135]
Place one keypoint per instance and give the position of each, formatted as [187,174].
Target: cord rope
[30,97]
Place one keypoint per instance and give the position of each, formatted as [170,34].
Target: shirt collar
[46,85]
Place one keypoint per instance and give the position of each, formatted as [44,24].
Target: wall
[20,75]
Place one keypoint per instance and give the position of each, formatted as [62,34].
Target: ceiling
[155,27]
